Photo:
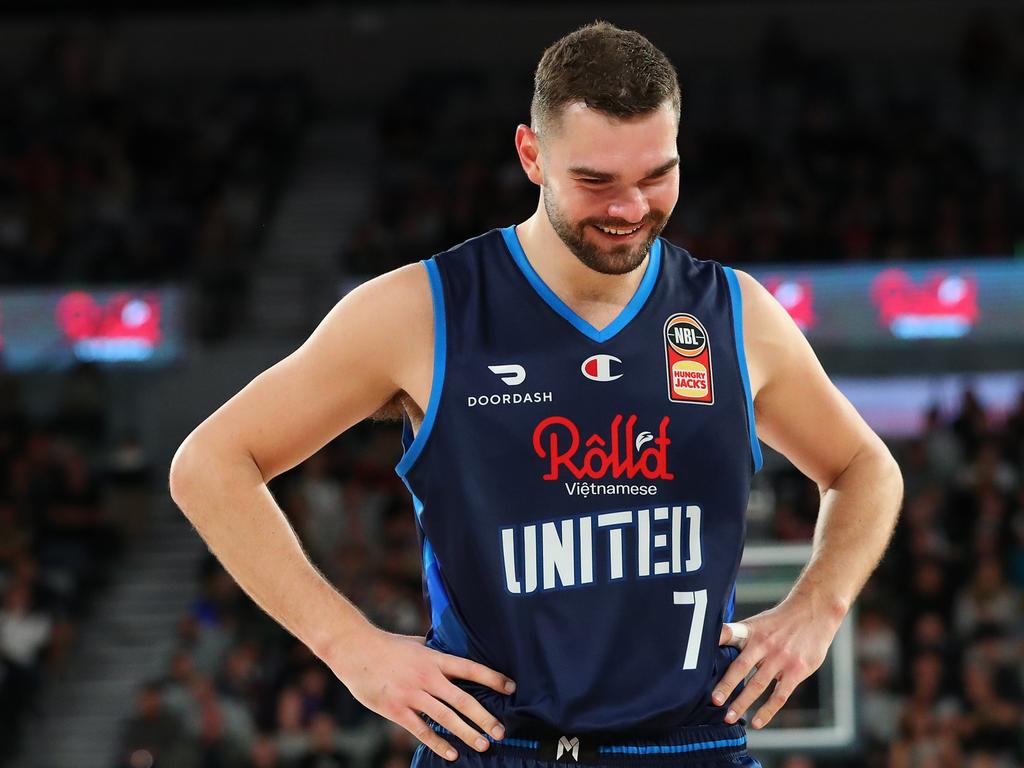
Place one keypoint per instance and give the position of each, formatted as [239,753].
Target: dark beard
[619,260]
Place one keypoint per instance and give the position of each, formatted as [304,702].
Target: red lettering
[557,439]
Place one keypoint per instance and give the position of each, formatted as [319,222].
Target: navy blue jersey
[580,494]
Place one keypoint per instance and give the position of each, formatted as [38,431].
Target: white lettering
[562,552]
[558,554]
[607,520]
[619,489]
[586,552]
[515,398]
[699,601]
[530,550]
[694,561]
[643,536]
[508,553]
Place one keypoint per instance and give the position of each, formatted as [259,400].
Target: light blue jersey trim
[628,312]
[741,355]
[508,741]
[447,627]
[668,749]
[626,749]
[437,381]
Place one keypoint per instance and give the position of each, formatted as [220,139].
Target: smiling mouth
[617,232]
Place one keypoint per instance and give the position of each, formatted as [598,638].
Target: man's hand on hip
[398,677]
[786,644]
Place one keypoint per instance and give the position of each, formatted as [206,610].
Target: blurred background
[185,190]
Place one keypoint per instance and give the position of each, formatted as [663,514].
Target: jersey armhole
[413,448]
[736,301]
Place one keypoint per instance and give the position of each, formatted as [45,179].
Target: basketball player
[582,401]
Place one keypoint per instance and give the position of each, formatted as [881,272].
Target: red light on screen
[125,316]
[941,306]
[797,296]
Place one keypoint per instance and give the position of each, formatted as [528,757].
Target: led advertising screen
[892,304]
[57,328]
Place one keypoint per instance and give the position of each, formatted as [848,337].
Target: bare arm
[800,413]
[218,475]
[343,373]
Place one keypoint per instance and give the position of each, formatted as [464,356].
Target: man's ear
[528,147]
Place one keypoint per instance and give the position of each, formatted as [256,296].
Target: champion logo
[510,374]
[599,368]
[567,746]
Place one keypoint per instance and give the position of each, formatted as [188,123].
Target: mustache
[651,218]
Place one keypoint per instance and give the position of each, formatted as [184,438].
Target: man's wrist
[824,602]
[335,649]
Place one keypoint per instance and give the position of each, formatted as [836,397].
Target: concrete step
[293,286]
[128,638]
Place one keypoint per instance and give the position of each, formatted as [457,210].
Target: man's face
[601,173]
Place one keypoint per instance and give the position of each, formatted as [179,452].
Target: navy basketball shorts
[701,746]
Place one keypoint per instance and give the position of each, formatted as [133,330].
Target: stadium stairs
[127,639]
[296,282]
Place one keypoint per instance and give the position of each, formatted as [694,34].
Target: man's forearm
[855,522]
[233,510]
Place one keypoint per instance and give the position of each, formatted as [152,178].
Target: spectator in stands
[878,704]
[991,720]
[395,750]
[987,599]
[263,753]
[152,735]
[24,634]
[924,742]
[239,678]
[176,687]
[290,738]
[223,729]
[323,749]
[929,687]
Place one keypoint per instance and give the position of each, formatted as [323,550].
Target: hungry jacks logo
[688,360]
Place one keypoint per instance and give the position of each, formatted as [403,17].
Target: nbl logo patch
[688,360]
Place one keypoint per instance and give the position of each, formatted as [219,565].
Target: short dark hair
[616,71]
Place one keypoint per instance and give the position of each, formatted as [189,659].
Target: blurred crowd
[791,156]
[240,692]
[67,504]
[939,628]
[105,178]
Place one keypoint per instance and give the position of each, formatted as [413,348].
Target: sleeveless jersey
[580,494]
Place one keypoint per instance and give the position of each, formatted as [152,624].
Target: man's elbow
[185,470]
[884,472]
[895,476]
[872,463]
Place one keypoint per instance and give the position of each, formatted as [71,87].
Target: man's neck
[589,293]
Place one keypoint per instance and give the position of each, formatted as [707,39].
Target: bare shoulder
[770,336]
[798,411]
[395,326]
[398,311]
[404,291]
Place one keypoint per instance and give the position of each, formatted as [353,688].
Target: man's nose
[631,207]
